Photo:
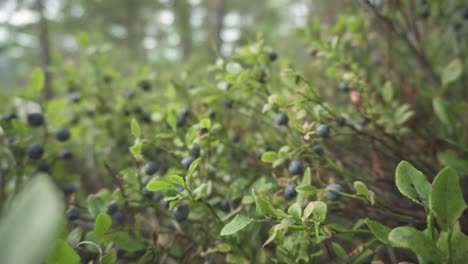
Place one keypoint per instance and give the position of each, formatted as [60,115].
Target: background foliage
[173,132]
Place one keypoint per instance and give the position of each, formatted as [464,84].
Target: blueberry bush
[357,157]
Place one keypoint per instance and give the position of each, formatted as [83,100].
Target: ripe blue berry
[187,161]
[180,212]
[282,119]
[211,113]
[35,119]
[10,116]
[35,151]
[68,188]
[150,168]
[295,167]
[272,56]
[146,193]
[62,135]
[144,85]
[228,103]
[72,214]
[112,207]
[196,151]
[343,86]
[323,131]
[364,120]
[464,12]
[290,191]
[225,205]
[66,154]
[318,149]
[332,196]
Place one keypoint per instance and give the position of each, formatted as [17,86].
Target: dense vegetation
[359,156]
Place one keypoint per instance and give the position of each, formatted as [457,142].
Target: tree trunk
[182,14]
[219,12]
[44,50]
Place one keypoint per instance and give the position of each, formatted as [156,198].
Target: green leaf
[269,156]
[444,112]
[412,183]
[446,198]
[361,188]
[159,185]
[416,241]
[273,233]
[319,211]
[205,123]
[136,148]
[452,72]
[176,179]
[103,223]
[63,253]
[238,223]
[264,207]
[459,246]
[295,210]
[191,170]
[450,159]
[29,227]
[109,258]
[74,237]
[380,231]
[96,205]
[36,82]
[135,127]
[233,68]
[172,120]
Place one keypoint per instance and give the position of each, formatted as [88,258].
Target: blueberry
[66,154]
[187,161]
[150,168]
[203,130]
[332,195]
[130,94]
[343,86]
[145,118]
[464,12]
[35,119]
[107,78]
[68,188]
[318,149]
[364,120]
[112,207]
[145,85]
[211,113]
[457,26]
[225,205]
[196,151]
[181,121]
[185,112]
[146,193]
[272,56]
[119,251]
[235,138]
[62,135]
[323,131]
[228,103]
[73,214]
[119,218]
[295,167]
[263,77]
[44,167]
[10,116]
[290,191]
[180,212]
[228,86]
[236,202]
[35,151]
[74,98]
[282,119]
